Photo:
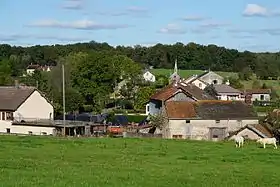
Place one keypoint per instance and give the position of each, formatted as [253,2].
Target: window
[30,132]
[3,116]
[188,121]
[217,121]
[177,136]
[8,131]
[200,85]
[262,97]
[215,82]
[215,136]
[148,108]
[10,115]
[44,133]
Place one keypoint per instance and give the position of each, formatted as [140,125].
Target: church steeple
[175,67]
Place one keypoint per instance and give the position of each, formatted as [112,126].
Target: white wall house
[24,104]
[225,92]
[206,120]
[148,76]
[259,94]
[205,79]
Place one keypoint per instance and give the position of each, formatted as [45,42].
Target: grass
[41,161]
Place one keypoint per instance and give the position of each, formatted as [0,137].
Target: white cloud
[73,4]
[80,24]
[193,18]
[16,37]
[173,29]
[136,9]
[258,10]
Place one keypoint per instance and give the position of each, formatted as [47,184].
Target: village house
[206,120]
[32,67]
[177,91]
[205,79]
[252,95]
[226,92]
[148,76]
[254,132]
[22,104]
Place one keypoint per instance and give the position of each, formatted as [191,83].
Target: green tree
[142,97]
[5,73]
[235,83]
[256,84]
[161,81]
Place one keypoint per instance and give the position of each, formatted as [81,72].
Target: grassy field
[41,161]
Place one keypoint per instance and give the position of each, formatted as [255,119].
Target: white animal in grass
[264,141]
[239,140]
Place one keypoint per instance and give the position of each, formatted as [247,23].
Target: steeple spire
[175,67]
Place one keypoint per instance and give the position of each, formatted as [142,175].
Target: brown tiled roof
[258,91]
[11,97]
[224,110]
[180,109]
[265,131]
[208,110]
[190,89]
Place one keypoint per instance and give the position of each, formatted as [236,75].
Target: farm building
[24,104]
[257,95]
[175,92]
[226,92]
[205,79]
[254,132]
[208,120]
[148,76]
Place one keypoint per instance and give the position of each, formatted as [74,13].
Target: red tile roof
[179,109]
[189,89]
[210,109]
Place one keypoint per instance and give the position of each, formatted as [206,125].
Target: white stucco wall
[148,76]
[35,107]
[225,97]
[199,84]
[16,129]
[211,76]
[258,97]
[250,134]
[199,129]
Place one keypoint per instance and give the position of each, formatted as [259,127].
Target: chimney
[16,84]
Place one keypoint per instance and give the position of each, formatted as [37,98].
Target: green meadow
[104,162]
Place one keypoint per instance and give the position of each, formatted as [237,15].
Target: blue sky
[240,24]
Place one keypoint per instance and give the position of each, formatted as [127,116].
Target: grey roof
[11,97]
[223,88]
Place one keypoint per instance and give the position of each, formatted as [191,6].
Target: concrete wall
[21,129]
[258,97]
[199,129]
[249,134]
[35,107]
[228,96]
[211,76]
[199,84]
[180,97]
[154,107]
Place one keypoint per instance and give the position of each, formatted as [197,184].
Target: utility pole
[63,97]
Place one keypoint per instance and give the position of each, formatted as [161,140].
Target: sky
[239,24]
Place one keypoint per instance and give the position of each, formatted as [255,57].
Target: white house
[206,120]
[205,79]
[32,67]
[226,92]
[24,104]
[148,76]
[258,94]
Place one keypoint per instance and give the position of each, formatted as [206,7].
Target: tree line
[93,70]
